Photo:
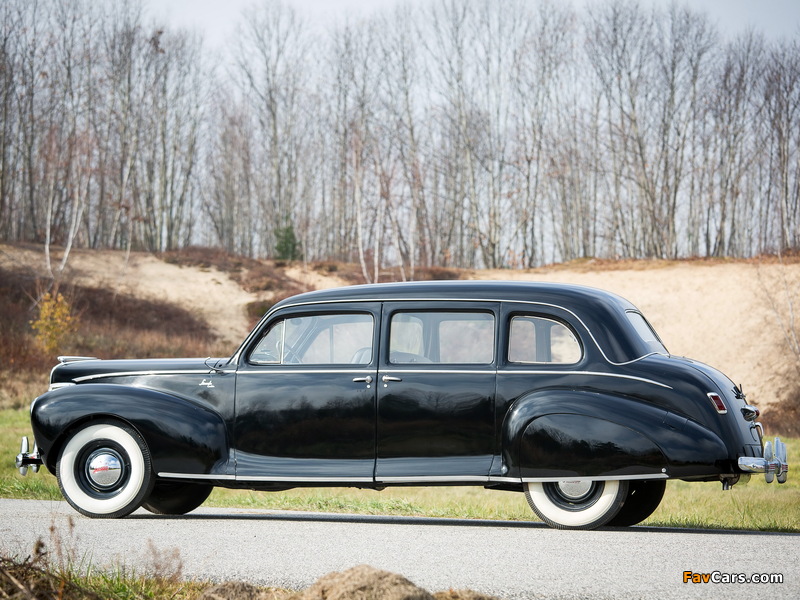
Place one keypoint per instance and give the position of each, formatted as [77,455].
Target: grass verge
[754,506]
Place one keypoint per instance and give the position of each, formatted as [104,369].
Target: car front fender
[183,437]
[568,433]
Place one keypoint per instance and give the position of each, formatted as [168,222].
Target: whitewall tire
[576,504]
[104,470]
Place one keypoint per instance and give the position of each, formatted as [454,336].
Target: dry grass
[40,578]
[19,387]
[56,570]
[53,572]
[366,583]
[111,326]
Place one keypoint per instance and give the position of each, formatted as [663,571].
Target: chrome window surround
[237,355]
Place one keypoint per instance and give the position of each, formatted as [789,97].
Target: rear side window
[441,338]
[536,340]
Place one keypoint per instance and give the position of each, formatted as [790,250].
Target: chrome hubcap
[574,490]
[104,468]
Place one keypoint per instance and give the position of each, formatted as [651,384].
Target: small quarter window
[540,340]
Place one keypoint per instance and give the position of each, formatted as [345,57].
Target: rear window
[646,332]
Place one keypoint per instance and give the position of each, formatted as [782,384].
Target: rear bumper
[773,463]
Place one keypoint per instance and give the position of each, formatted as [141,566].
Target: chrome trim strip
[488,371]
[598,373]
[140,373]
[494,479]
[602,478]
[307,479]
[196,476]
[56,386]
[435,478]
[68,359]
[409,479]
[285,371]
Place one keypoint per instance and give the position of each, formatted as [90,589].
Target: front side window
[540,340]
[442,338]
[317,340]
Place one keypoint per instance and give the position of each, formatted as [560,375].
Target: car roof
[475,290]
[602,313]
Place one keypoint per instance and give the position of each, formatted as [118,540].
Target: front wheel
[576,504]
[104,470]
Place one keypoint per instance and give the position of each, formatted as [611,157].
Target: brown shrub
[325,267]
[206,258]
[120,310]
[783,418]
[239,590]
[111,326]
[261,277]
[461,595]
[437,274]
[258,308]
[368,583]
[363,583]
[27,579]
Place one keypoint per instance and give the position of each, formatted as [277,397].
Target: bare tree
[782,111]
[271,68]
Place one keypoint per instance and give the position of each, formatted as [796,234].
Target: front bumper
[773,463]
[27,459]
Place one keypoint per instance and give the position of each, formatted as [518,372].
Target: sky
[216,19]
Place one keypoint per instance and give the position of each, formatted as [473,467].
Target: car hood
[80,371]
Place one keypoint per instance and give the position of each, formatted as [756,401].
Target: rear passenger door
[436,390]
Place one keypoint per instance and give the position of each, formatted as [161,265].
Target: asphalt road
[503,558]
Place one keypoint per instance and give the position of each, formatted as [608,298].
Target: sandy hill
[734,315]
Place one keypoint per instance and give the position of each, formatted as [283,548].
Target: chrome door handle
[367,379]
[387,378]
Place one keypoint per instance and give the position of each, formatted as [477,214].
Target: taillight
[718,403]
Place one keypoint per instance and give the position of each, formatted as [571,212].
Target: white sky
[217,18]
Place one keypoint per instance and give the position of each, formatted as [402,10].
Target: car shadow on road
[214,514]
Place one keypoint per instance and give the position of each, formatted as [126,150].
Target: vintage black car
[562,392]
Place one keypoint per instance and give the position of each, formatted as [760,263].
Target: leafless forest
[452,133]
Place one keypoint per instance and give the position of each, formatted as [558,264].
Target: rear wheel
[176,498]
[642,500]
[576,504]
[104,470]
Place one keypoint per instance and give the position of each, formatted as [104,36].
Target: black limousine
[562,392]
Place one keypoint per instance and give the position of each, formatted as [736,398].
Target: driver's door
[305,397]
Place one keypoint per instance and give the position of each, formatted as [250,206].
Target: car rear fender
[183,437]
[568,433]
